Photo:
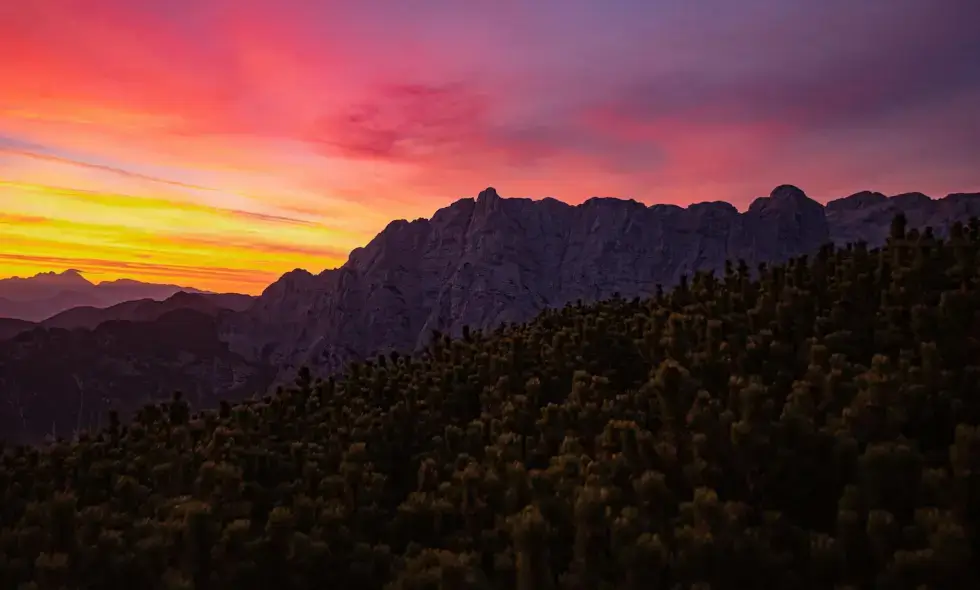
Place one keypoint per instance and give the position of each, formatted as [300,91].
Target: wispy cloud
[103,269]
[39,155]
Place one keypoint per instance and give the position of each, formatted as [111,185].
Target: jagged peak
[293,276]
[614,201]
[488,201]
[958,197]
[787,191]
[664,207]
[400,224]
[858,200]
[288,281]
[296,273]
[69,276]
[459,207]
[488,194]
[782,196]
[912,199]
[720,206]
[395,224]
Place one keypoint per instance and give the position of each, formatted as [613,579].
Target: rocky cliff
[480,262]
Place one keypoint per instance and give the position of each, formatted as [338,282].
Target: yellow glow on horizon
[109,236]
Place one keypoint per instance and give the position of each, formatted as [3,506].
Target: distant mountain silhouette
[46,294]
[145,310]
[55,380]
[18,288]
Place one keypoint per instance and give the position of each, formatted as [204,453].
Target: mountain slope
[491,260]
[11,327]
[145,310]
[64,379]
[46,294]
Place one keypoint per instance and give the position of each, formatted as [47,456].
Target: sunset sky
[220,143]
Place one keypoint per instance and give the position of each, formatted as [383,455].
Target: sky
[221,143]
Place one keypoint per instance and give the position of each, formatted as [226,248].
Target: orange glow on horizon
[110,236]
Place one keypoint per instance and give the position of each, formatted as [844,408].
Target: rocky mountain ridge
[481,262]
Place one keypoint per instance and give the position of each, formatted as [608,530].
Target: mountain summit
[26,287]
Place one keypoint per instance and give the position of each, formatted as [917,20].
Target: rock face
[480,262]
[867,216]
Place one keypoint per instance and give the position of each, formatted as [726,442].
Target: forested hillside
[808,425]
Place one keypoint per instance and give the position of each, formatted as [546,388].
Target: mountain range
[477,262]
[481,262]
[139,310]
[39,297]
